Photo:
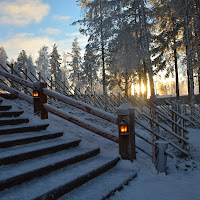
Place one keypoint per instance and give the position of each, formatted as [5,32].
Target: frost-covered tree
[75,64]
[42,62]
[90,68]
[55,65]
[65,68]
[3,56]
[21,64]
[3,60]
[31,68]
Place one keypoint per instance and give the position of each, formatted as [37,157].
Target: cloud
[51,31]
[22,12]
[32,44]
[27,42]
[61,18]
[66,45]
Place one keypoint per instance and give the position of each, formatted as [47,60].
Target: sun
[135,89]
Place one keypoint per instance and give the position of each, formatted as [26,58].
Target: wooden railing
[142,112]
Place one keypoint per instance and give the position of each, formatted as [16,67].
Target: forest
[134,47]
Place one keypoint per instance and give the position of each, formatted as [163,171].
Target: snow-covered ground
[182,181]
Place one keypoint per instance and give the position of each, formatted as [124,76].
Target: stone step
[25,138]
[27,170]
[4,108]
[104,186]
[29,151]
[23,128]
[10,113]
[12,121]
[56,184]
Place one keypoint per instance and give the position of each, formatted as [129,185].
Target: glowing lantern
[123,128]
[36,94]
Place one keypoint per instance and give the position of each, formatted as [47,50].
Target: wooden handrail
[16,79]
[17,93]
[81,122]
[82,106]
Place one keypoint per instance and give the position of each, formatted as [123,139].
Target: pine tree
[55,66]
[65,69]
[3,60]
[42,62]
[3,56]
[76,71]
[21,64]
[31,68]
[89,74]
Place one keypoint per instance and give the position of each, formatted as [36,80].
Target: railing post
[160,156]
[26,78]
[39,99]
[51,84]
[12,72]
[126,127]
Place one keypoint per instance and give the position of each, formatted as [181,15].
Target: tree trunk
[103,59]
[140,82]
[145,79]
[148,56]
[176,70]
[126,85]
[189,56]
[199,78]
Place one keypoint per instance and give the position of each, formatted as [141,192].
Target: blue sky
[30,24]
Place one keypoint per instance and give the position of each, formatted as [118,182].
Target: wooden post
[119,99]
[51,83]
[160,155]
[12,72]
[39,74]
[40,100]
[94,96]
[85,96]
[126,139]
[26,77]
[157,129]
[64,87]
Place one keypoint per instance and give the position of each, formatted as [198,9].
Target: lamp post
[126,127]
[39,99]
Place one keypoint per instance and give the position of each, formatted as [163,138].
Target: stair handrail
[16,79]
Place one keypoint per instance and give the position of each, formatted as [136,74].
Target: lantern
[123,128]
[36,94]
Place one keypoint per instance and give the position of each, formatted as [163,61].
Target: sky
[30,24]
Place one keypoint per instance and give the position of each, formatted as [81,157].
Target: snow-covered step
[4,108]
[33,150]
[23,128]
[10,113]
[16,174]
[25,138]
[56,184]
[13,121]
[103,186]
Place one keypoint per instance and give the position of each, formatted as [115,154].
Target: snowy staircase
[36,162]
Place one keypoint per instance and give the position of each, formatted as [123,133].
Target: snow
[181,181]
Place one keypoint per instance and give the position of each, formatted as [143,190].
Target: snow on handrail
[17,93]
[16,79]
[82,106]
[81,122]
